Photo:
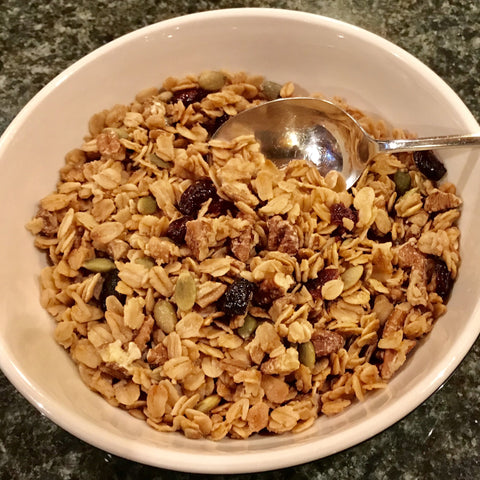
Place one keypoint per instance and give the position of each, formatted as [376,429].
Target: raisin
[314,286]
[189,96]
[429,165]
[338,211]
[196,195]
[203,189]
[219,206]
[213,126]
[177,229]
[443,279]
[237,297]
[110,281]
[377,357]
[378,236]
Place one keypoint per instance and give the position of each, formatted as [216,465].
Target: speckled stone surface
[441,438]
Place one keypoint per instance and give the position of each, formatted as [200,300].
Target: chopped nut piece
[438,201]
[267,292]
[410,256]
[157,355]
[282,236]
[276,390]
[283,364]
[326,342]
[242,245]
[199,237]
[109,145]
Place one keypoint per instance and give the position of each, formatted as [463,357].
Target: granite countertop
[441,438]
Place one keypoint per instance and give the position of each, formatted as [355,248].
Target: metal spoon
[323,133]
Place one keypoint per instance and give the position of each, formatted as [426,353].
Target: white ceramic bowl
[319,54]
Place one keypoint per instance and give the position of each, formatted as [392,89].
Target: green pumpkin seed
[208,403]
[249,326]
[165,316]
[147,262]
[211,80]
[306,354]
[185,291]
[156,160]
[99,265]
[402,182]
[271,90]
[147,205]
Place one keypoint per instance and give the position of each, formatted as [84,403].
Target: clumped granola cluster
[206,291]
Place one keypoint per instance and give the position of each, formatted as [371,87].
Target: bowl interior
[318,54]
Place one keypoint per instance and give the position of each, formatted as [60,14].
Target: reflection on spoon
[321,132]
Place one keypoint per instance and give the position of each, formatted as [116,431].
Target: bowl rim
[246,462]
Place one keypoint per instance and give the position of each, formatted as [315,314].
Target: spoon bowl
[323,133]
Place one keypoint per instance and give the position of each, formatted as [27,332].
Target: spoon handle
[428,143]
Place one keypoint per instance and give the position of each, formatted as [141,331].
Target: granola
[205,291]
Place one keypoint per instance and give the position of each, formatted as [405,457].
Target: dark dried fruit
[213,126]
[110,281]
[443,279]
[219,206]
[196,195]
[338,211]
[237,297]
[189,96]
[377,236]
[177,230]
[315,285]
[429,165]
